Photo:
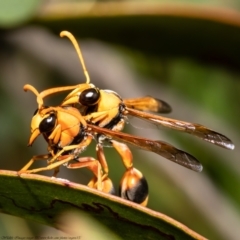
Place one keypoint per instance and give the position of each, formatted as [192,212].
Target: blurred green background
[184,52]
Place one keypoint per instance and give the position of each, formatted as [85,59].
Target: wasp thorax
[89,97]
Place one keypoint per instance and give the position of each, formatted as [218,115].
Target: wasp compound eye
[89,97]
[48,123]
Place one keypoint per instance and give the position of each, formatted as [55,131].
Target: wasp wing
[191,128]
[159,147]
[148,104]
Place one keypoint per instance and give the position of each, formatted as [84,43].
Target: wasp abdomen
[134,187]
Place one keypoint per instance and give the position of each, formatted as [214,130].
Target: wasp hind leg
[133,185]
[100,181]
[107,185]
[107,182]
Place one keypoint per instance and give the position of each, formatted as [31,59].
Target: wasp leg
[101,118]
[107,185]
[93,165]
[32,160]
[124,152]
[133,185]
[55,166]
[80,146]
[99,181]
[57,157]
[101,158]
[96,117]
[56,171]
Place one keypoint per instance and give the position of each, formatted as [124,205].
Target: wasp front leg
[58,159]
[98,117]
[133,185]
[53,166]
[54,163]
[32,160]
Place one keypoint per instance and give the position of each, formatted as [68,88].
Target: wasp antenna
[77,47]
[34,90]
[55,90]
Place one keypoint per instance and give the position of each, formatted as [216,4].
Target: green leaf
[42,199]
[14,12]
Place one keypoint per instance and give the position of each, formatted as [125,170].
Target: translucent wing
[159,147]
[148,104]
[191,128]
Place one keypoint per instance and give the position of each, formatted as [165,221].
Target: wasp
[105,114]
[68,134]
